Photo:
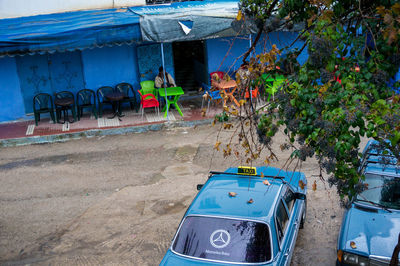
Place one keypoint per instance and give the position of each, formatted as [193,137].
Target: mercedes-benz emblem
[220,238]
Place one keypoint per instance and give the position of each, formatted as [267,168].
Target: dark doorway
[190,65]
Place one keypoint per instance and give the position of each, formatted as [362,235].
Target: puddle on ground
[186,153]
[34,162]
[71,158]
[155,178]
[168,206]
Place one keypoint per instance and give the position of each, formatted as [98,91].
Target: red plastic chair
[254,93]
[147,101]
[220,75]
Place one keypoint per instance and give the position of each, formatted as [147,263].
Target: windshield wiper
[376,204]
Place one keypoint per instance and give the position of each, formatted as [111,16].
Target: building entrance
[190,65]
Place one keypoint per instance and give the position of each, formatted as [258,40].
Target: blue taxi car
[245,216]
[371,226]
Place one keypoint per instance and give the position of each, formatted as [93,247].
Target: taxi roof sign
[246,170]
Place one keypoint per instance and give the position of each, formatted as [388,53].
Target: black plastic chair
[86,98]
[130,95]
[43,103]
[59,97]
[101,97]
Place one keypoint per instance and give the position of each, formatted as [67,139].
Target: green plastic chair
[86,99]
[43,103]
[101,98]
[147,86]
[130,96]
[272,84]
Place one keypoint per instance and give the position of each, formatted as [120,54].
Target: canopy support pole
[250,88]
[165,85]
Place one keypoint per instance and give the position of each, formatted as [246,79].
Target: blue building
[94,48]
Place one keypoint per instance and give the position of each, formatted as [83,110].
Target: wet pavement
[118,199]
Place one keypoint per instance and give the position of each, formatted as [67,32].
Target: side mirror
[199,186]
[300,196]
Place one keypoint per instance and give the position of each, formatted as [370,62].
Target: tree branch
[260,30]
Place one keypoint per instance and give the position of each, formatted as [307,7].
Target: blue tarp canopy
[193,20]
[184,21]
[68,31]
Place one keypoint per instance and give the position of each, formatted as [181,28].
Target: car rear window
[223,239]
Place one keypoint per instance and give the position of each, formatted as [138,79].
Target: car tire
[303,217]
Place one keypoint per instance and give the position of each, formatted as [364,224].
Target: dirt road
[117,200]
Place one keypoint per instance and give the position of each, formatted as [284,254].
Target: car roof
[377,162]
[214,199]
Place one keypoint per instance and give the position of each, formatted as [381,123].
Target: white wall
[23,8]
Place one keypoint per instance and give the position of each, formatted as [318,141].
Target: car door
[288,215]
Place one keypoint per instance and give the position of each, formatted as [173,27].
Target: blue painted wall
[109,66]
[12,104]
[65,70]
[226,50]
[150,59]
[50,74]
[222,57]
[23,77]
[33,73]
[281,39]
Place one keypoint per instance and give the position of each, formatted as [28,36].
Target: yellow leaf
[381,10]
[314,186]
[392,36]
[250,201]
[328,14]
[232,194]
[309,21]
[239,15]
[353,245]
[203,112]
[216,146]
[323,89]
[227,126]
[266,182]
[245,144]
[301,184]
[396,8]
[267,161]
[242,102]
[388,19]
[228,151]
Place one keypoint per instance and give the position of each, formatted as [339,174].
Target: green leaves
[341,93]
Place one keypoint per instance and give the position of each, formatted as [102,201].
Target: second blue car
[371,226]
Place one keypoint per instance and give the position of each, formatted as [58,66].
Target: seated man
[159,81]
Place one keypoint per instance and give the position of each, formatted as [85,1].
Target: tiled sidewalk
[26,129]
